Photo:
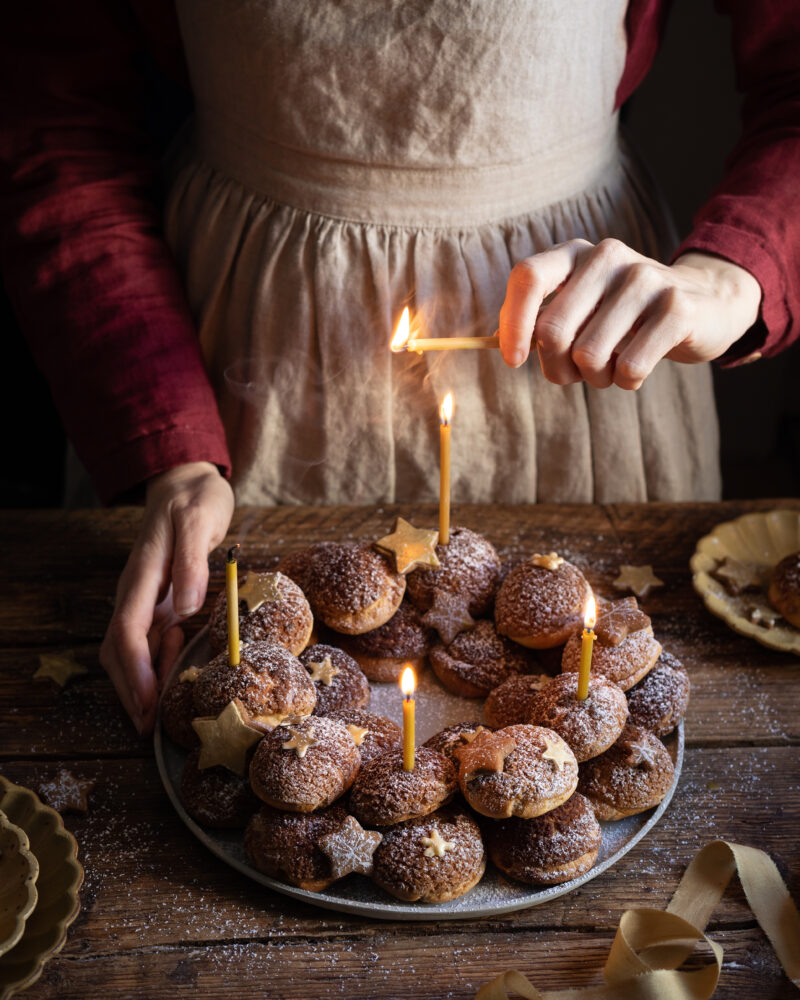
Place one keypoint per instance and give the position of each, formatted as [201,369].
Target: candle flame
[446,409]
[402,334]
[408,682]
[590,613]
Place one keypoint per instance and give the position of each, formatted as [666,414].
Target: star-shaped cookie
[558,752]
[357,733]
[550,561]
[66,793]
[409,546]
[469,737]
[640,580]
[300,740]
[226,739]
[350,848]
[59,667]
[323,671]
[190,674]
[259,588]
[449,615]
[641,753]
[740,576]
[435,845]
[617,619]
[486,753]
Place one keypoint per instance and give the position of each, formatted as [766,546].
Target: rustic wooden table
[162,917]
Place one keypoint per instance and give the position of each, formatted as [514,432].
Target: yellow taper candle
[408,683]
[232,595]
[587,642]
[445,416]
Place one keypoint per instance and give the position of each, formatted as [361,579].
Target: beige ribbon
[650,945]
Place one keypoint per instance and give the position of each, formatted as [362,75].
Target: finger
[657,336]
[196,533]
[127,653]
[171,645]
[608,331]
[559,322]
[530,282]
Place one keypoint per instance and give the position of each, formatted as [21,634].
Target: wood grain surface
[161,917]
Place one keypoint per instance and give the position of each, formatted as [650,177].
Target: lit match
[403,341]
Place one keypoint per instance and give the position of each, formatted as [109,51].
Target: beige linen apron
[354,156]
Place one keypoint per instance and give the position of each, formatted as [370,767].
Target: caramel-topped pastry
[285,845]
[555,847]
[285,618]
[382,653]
[538,773]
[351,587]
[384,793]
[623,660]
[478,660]
[468,565]
[271,684]
[509,703]
[784,588]
[338,679]
[541,607]
[631,776]
[306,766]
[588,726]
[432,859]
[659,701]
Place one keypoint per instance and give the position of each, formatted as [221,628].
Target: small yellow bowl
[60,878]
[763,539]
[19,870]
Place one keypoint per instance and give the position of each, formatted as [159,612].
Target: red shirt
[93,282]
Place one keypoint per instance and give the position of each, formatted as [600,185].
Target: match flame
[590,613]
[408,682]
[401,336]
[446,409]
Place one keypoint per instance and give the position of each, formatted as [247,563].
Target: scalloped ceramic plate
[436,708]
[761,538]
[60,878]
[19,870]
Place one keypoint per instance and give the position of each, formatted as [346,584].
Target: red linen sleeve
[83,257]
[753,216]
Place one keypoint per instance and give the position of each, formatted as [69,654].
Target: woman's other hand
[187,513]
[607,315]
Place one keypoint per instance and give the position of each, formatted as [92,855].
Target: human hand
[187,512]
[606,314]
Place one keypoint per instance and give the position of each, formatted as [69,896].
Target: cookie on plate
[304,767]
[549,849]
[432,859]
[542,601]
[478,660]
[384,793]
[631,776]
[517,771]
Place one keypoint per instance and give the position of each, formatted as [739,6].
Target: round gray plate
[436,708]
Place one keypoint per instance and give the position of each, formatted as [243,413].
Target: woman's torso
[351,158]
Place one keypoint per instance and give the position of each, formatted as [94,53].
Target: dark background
[684,119]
